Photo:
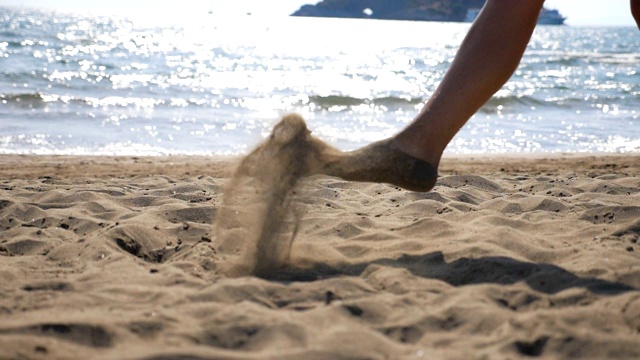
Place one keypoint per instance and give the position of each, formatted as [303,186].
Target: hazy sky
[579,12]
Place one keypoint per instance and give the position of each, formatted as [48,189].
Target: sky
[578,12]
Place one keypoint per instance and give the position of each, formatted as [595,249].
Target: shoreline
[106,166]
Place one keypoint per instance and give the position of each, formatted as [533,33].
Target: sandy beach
[508,257]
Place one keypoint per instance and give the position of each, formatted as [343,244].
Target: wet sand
[508,257]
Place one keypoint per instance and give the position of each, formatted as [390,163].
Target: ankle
[422,151]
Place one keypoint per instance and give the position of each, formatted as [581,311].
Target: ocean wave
[41,100]
[10,44]
[325,102]
[580,58]
[21,77]
[515,101]
[25,100]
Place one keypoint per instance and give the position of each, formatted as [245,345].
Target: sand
[508,257]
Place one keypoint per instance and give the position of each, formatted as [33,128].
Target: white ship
[547,16]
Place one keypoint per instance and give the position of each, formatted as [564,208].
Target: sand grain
[511,257]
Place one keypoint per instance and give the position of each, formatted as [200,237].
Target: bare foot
[301,154]
[382,162]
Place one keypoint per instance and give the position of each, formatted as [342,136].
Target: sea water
[206,84]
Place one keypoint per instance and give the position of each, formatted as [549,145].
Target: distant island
[417,10]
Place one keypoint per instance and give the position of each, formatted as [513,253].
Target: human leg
[291,152]
[635,11]
[488,56]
